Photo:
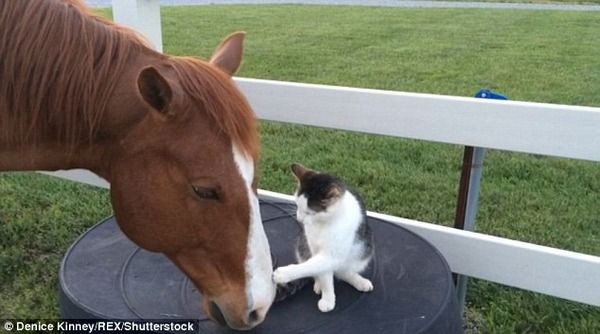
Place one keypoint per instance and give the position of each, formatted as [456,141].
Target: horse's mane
[215,92]
[60,64]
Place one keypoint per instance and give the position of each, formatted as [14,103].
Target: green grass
[528,55]
[39,218]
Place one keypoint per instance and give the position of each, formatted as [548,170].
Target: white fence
[556,130]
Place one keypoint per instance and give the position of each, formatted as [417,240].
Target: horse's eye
[206,193]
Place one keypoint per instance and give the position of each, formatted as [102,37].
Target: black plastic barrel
[105,276]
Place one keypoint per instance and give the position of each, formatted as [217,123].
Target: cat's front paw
[326,305]
[282,275]
[364,285]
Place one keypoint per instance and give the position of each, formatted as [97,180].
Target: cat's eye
[206,193]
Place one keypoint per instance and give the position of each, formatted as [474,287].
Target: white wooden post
[141,15]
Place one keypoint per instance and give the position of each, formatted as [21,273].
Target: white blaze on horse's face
[260,288]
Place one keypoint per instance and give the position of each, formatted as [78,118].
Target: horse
[174,136]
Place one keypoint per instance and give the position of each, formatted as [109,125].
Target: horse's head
[183,182]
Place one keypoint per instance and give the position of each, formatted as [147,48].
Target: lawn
[527,55]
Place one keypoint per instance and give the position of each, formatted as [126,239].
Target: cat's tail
[287,290]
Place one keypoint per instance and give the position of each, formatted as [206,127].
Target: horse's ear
[299,171]
[155,89]
[228,55]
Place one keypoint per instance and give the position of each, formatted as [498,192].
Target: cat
[336,240]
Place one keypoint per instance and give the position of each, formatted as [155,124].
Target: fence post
[468,194]
[141,15]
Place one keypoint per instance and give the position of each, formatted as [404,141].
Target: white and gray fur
[336,240]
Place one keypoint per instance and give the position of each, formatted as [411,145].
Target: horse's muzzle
[251,319]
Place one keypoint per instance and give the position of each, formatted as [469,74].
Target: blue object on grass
[488,94]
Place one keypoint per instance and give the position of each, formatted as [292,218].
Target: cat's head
[317,194]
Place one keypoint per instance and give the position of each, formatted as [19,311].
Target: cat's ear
[299,171]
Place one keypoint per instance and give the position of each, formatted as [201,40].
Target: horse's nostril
[216,313]
[253,317]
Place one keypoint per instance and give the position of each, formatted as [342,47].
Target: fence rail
[539,128]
